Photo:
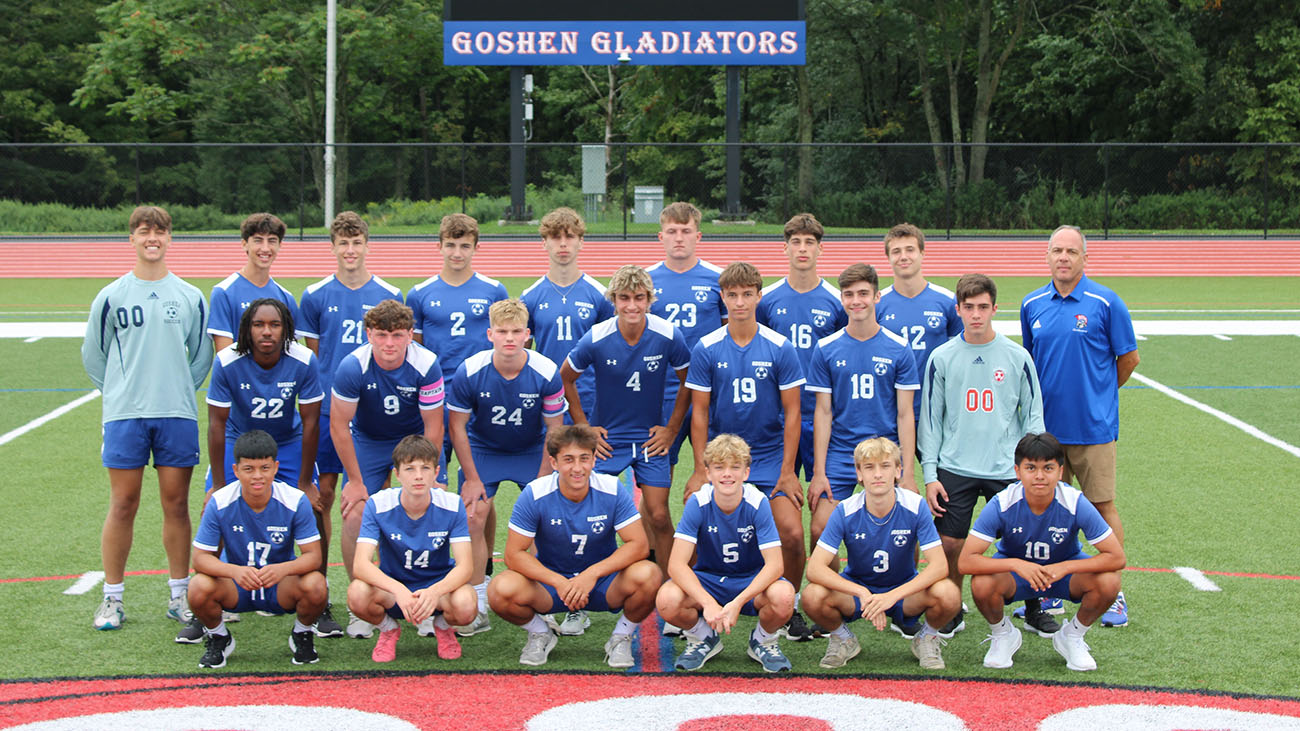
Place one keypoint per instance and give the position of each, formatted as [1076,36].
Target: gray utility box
[649,203]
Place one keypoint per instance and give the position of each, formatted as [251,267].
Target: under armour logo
[244,305]
[394,536]
[841,363]
[1017,529]
[435,303]
[244,387]
[544,306]
[713,529]
[611,361]
[723,364]
[659,290]
[485,394]
[237,528]
[333,308]
[889,317]
[859,536]
[780,311]
[557,521]
[371,386]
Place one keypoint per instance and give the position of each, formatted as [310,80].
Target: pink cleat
[386,646]
[448,645]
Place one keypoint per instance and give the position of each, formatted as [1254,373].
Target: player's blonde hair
[562,220]
[630,278]
[680,212]
[727,449]
[508,312]
[873,449]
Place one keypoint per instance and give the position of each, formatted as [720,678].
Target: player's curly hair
[455,226]
[244,338]
[727,449]
[630,278]
[349,224]
[562,220]
[390,315]
[261,223]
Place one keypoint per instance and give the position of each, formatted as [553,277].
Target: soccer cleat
[768,654]
[1001,649]
[618,651]
[425,628]
[110,614]
[908,631]
[797,628]
[1039,622]
[358,627]
[326,625]
[698,652]
[1117,615]
[840,650]
[480,625]
[192,633]
[448,645]
[575,623]
[303,645]
[928,650]
[955,625]
[1075,651]
[538,647]
[386,646]
[178,608]
[219,648]
[672,630]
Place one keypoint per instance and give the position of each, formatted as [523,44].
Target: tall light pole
[331,54]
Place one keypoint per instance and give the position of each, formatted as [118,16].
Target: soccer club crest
[701,295]
[652,365]
[760,372]
[583,313]
[477,309]
[438,541]
[881,369]
[529,403]
[933,321]
[286,392]
[999,375]
[747,534]
[819,320]
[900,540]
[277,537]
[598,527]
[1080,322]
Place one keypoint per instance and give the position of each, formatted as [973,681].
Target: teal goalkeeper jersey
[977,401]
[147,348]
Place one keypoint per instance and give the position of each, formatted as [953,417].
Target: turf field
[1195,491]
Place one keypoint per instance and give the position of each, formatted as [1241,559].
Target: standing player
[979,396]
[572,517]
[1081,336]
[1038,519]
[882,528]
[727,526]
[805,308]
[744,379]
[686,294]
[383,391]
[865,379]
[502,403]
[255,385]
[564,304]
[632,355]
[146,349]
[451,307]
[244,560]
[261,235]
[420,534]
[333,315]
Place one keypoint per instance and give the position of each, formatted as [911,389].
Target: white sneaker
[359,628]
[575,623]
[1075,651]
[110,614]
[538,648]
[480,624]
[672,630]
[423,629]
[178,608]
[928,650]
[1001,649]
[618,651]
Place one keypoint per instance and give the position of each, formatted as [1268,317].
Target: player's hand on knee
[353,497]
[788,483]
[819,487]
[693,484]
[936,497]
[472,493]
[313,494]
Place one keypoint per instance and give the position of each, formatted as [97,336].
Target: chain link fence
[953,190]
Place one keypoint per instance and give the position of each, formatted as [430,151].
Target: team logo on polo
[439,538]
[999,375]
[651,362]
[171,312]
[1080,322]
[277,533]
[900,536]
[747,534]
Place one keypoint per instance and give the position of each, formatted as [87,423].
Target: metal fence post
[1105,188]
[1266,190]
[625,192]
[947,189]
[136,148]
[302,190]
[464,184]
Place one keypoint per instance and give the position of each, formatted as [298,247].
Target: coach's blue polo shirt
[1074,341]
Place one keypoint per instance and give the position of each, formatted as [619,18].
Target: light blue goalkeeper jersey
[146,347]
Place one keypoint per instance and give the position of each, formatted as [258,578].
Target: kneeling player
[422,537]
[881,526]
[728,525]
[1038,519]
[258,520]
[573,516]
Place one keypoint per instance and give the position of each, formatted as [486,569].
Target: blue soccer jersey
[863,377]
[1074,341]
[389,402]
[559,316]
[690,300]
[630,379]
[265,398]
[925,321]
[253,538]
[881,552]
[572,536]
[506,415]
[744,386]
[804,318]
[334,316]
[452,320]
[1043,539]
[728,544]
[416,552]
[232,295]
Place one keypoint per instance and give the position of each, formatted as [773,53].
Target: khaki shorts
[1094,467]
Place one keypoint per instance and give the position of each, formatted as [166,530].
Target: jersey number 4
[500,418]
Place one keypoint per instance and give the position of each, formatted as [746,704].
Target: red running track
[217,258]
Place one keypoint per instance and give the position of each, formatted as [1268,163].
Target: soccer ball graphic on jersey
[598,527]
[933,322]
[747,534]
[701,296]
[881,369]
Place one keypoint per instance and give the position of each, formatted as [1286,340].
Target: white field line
[1225,418]
[38,421]
[32,339]
[1196,578]
[85,582]
[1217,336]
